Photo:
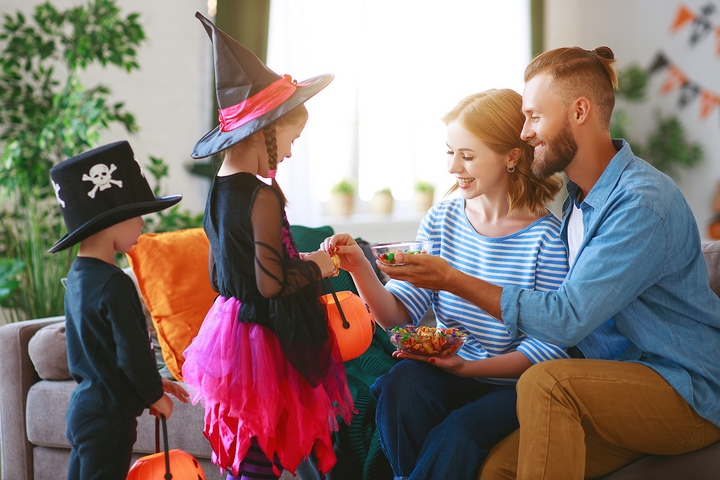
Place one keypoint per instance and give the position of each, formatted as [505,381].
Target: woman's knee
[406,380]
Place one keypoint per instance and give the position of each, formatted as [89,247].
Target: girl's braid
[271,146]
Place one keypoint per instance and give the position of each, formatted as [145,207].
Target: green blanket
[357,445]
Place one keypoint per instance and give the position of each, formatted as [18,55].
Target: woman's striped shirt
[532,258]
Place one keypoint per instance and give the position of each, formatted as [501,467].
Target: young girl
[264,362]
[442,422]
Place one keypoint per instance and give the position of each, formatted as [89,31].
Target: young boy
[102,194]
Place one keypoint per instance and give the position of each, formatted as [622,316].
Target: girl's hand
[347,250]
[175,389]
[323,260]
[452,363]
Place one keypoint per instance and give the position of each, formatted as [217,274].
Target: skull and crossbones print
[101,176]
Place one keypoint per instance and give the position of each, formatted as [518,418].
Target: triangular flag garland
[689,90]
[701,25]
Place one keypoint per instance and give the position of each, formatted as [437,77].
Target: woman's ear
[513,158]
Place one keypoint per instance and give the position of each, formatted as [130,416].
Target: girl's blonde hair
[495,117]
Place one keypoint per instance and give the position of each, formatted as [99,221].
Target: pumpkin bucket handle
[329,286]
[168,475]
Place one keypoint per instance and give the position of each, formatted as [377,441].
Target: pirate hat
[250,96]
[100,188]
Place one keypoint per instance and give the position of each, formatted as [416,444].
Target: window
[399,66]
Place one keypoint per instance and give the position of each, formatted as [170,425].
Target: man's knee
[501,462]
[544,376]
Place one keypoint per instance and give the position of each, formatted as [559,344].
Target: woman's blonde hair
[495,117]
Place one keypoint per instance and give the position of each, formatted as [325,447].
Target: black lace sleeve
[296,315]
[276,274]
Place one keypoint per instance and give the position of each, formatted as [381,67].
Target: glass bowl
[428,341]
[385,252]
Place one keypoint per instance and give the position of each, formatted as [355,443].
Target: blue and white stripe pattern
[533,258]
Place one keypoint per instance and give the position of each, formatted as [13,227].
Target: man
[635,257]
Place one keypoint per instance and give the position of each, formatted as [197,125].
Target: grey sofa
[32,417]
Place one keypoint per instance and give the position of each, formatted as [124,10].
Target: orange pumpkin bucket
[351,320]
[158,466]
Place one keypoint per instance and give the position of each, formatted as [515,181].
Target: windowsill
[400,225]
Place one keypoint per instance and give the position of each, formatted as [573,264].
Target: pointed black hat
[250,96]
[101,188]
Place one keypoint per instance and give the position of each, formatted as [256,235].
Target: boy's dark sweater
[109,352]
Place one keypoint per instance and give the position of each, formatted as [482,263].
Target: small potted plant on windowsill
[424,196]
[382,201]
[342,197]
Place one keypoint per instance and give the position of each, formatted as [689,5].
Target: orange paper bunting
[674,80]
[708,102]
[683,16]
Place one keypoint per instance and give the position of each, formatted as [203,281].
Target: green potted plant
[46,116]
[382,201]
[424,196]
[342,198]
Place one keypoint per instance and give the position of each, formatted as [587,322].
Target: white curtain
[399,66]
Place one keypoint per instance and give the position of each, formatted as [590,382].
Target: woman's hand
[323,260]
[347,250]
[422,271]
[175,389]
[452,363]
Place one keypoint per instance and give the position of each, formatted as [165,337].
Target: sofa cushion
[48,352]
[47,403]
[711,250]
[171,269]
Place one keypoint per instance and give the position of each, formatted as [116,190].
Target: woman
[442,422]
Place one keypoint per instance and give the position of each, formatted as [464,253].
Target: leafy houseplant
[46,116]
[342,197]
[667,149]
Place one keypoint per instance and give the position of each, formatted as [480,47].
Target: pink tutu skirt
[248,388]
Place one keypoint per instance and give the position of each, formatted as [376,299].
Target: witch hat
[100,188]
[250,96]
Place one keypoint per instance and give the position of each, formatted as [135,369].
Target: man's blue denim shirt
[640,263]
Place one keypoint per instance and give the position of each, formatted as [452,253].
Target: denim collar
[606,183]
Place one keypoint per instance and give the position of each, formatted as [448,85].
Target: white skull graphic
[101,176]
[56,187]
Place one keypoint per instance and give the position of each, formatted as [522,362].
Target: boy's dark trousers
[101,446]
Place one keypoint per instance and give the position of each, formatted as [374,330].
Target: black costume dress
[264,363]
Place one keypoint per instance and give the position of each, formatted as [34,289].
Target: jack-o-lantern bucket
[175,464]
[351,320]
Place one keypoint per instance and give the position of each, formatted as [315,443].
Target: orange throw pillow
[172,273]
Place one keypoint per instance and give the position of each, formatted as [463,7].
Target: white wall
[637,30]
[170,95]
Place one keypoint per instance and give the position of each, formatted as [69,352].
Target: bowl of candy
[385,252]
[429,341]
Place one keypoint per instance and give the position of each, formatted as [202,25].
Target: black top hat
[100,188]
[250,96]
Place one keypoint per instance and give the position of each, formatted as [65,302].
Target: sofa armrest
[17,375]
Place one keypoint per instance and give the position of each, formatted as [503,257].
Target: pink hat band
[259,104]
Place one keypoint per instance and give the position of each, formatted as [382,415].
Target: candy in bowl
[424,340]
[385,252]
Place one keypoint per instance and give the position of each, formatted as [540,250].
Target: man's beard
[558,153]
